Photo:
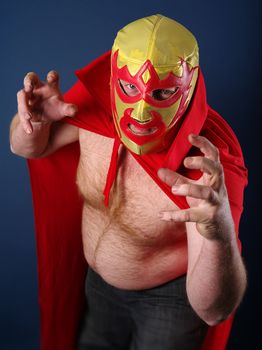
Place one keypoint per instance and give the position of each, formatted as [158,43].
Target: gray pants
[159,318]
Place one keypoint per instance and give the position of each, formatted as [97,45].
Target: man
[164,263]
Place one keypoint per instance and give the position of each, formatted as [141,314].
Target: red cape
[57,205]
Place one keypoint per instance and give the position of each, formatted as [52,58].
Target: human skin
[142,239]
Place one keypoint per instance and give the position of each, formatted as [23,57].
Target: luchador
[137,197]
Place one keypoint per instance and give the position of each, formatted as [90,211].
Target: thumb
[69,110]
[171,177]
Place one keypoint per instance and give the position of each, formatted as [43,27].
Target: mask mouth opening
[141,131]
[142,122]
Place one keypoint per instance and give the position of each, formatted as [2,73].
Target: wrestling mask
[153,75]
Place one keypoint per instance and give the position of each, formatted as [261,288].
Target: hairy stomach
[131,258]
[126,243]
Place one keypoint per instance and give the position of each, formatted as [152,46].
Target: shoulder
[220,133]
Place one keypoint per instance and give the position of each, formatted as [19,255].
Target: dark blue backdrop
[65,35]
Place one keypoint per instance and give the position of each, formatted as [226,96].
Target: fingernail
[164,216]
[29,131]
[71,111]
[160,173]
[188,161]
[175,188]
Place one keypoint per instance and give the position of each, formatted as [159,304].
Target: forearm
[217,281]
[216,276]
[29,145]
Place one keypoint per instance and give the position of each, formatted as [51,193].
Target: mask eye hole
[164,94]
[128,89]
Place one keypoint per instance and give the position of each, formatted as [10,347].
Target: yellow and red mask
[153,75]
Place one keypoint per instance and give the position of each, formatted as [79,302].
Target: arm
[36,130]
[216,277]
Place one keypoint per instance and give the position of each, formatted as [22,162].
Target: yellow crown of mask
[153,77]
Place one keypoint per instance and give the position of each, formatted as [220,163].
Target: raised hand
[207,197]
[42,101]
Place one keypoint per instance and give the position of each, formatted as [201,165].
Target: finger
[33,100]
[196,191]
[31,81]
[67,109]
[171,177]
[53,78]
[203,164]
[24,112]
[205,146]
[186,215]
[27,126]
[22,104]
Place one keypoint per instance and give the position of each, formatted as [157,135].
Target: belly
[126,243]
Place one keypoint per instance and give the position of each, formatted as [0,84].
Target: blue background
[65,35]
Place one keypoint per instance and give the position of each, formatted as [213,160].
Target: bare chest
[126,243]
[135,199]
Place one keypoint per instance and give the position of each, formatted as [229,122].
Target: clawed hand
[207,197]
[42,101]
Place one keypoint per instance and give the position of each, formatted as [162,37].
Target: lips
[142,132]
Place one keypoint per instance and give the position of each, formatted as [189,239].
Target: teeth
[140,131]
[144,121]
